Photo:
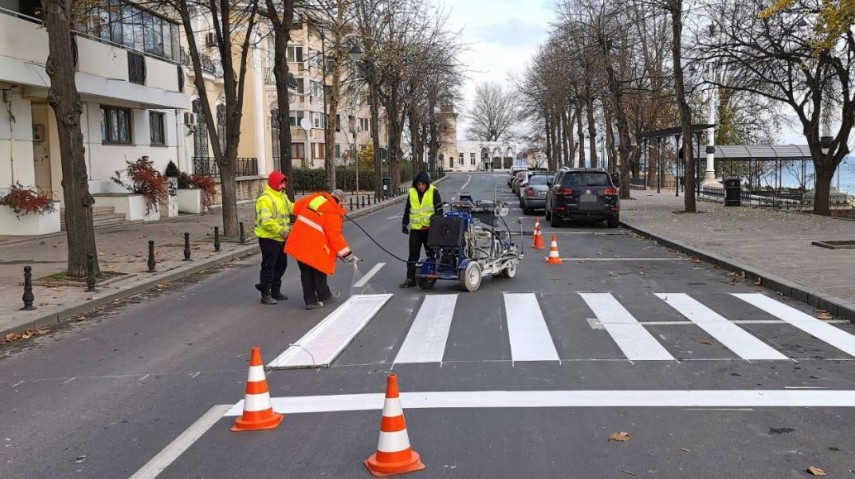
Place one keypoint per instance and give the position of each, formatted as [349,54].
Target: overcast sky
[501,36]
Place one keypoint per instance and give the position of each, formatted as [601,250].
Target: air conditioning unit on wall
[189,118]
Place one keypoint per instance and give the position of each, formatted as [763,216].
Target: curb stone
[836,306]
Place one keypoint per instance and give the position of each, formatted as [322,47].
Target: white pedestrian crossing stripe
[529,338]
[635,341]
[735,338]
[527,331]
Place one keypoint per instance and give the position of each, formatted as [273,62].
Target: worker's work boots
[266,296]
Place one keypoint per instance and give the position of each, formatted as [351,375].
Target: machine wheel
[470,278]
[425,283]
[613,222]
[510,271]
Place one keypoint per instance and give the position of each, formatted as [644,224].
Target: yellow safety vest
[420,213]
[272,214]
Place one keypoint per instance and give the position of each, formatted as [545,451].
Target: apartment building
[129,79]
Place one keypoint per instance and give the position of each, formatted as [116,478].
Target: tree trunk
[592,129]
[568,137]
[548,121]
[581,134]
[608,144]
[333,99]
[558,144]
[65,101]
[416,141]
[433,142]
[375,129]
[281,36]
[685,113]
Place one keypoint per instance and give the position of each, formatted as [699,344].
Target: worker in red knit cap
[272,226]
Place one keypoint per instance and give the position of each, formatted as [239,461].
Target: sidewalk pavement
[772,245]
[121,249]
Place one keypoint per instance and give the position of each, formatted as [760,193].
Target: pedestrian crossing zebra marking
[323,343]
[819,329]
[425,342]
[529,336]
[735,338]
[636,342]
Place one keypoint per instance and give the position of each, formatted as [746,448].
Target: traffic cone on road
[538,236]
[394,454]
[553,258]
[257,409]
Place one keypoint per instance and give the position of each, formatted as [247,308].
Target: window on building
[295,54]
[338,151]
[200,136]
[115,125]
[338,123]
[472,159]
[156,125]
[460,160]
[319,120]
[298,151]
[365,125]
[128,25]
[295,117]
[318,151]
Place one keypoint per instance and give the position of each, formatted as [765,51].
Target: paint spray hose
[375,241]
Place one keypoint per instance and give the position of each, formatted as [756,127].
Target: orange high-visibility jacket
[316,238]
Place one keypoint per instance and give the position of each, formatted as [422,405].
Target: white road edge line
[467,182]
[680,398]
[370,274]
[624,259]
[173,451]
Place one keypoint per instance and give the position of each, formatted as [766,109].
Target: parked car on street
[583,193]
[515,184]
[533,193]
[513,173]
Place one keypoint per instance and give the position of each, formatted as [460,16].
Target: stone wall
[248,188]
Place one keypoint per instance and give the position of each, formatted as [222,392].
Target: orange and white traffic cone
[553,258]
[257,409]
[394,455]
[538,236]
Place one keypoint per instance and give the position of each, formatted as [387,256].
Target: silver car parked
[533,193]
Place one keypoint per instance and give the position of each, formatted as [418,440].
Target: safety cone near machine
[394,454]
[257,409]
[538,236]
[554,257]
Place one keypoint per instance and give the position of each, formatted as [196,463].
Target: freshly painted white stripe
[601,398]
[370,274]
[425,343]
[256,373]
[594,323]
[320,346]
[735,338]
[529,337]
[310,223]
[173,451]
[392,407]
[817,328]
[393,441]
[257,402]
[631,337]
[467,182]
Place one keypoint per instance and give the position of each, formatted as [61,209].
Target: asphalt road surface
[710,376]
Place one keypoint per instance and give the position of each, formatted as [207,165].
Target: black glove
[404,230]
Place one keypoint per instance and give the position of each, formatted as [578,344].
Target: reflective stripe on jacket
[272,214]
[420,213]
[316,238]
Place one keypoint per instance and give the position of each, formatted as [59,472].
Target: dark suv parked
[583,193]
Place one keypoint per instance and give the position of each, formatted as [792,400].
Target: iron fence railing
[207,165]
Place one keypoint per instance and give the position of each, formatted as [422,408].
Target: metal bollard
[216,238]
[28,296]
[151,262]
[187,247]
[242,233]
[363,201]
[351,204]
[90,273]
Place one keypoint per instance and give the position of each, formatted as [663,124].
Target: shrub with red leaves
[208,187]
[24,201]
[146,181]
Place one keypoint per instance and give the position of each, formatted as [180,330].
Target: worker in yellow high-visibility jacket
[424,202]
[272,226]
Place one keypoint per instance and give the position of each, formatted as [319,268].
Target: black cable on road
[375,241]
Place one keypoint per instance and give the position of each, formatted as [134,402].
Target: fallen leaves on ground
[816,471]
[80,458]
[80,318]
[758,281]
[25,335]
[823,314]
[619,436]
[704,341]
[685,450]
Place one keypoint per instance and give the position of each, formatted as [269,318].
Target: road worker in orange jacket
[316,241]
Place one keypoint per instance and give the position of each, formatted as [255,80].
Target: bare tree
[780,56]
[233,22]
[494,112]
[675,8]
[64,98]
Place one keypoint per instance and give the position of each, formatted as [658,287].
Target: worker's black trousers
[274,261]
[418,239]
[315,287]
